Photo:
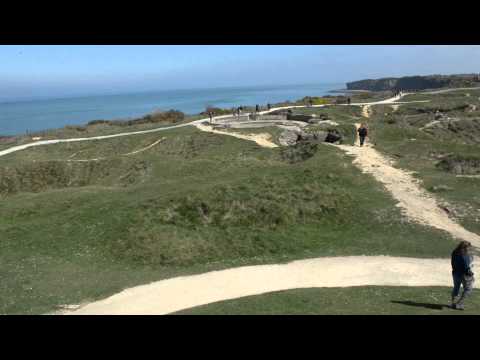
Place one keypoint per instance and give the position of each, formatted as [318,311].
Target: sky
[37,71]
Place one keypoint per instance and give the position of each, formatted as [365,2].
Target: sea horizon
[29,115]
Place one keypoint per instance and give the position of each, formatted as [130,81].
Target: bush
[99,122]
[216,111]
[348,132]
[299,152]
[170,116]
[316,100]
[460,164]
[76,128]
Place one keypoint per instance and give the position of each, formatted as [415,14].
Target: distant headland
[416,82]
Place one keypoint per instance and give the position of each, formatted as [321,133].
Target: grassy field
[74,232]
[371,96]
[401,135]
[369,300]
[339,114]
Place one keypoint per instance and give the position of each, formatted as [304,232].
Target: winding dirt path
[413,200]
[366,111]
[171,295]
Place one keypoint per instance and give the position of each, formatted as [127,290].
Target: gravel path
[171,295]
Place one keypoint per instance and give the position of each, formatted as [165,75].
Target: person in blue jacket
[462,263]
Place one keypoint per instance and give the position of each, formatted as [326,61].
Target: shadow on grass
[423,305]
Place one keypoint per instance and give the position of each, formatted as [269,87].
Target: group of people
[237,111]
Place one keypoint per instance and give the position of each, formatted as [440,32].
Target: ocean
[28,116]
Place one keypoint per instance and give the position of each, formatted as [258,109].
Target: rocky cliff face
[415,82]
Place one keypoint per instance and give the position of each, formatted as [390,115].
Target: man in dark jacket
[462,273]
[362,133]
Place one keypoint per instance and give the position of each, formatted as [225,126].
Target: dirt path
[104,158]
[263,140]
[167,296]
[415,202]
[366,111]
[145,148]
[447,90]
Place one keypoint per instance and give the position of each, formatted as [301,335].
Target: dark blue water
[20,117]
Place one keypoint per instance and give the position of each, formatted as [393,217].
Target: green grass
[205,202]
[75,232]
[81,131]
[400,137]
[368,300]
[370,96]
[339,114]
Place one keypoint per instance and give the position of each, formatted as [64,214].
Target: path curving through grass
[175,294]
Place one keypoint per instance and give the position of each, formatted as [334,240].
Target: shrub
[216,111]
[301,151]
[316,100]
[170,116]
[460,164]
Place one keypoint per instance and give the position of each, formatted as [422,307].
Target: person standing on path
[362,133]
[462,263]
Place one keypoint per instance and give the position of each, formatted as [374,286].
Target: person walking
[462,263]
[257,108]
[349,101]
[269,106]
[362,133]
[210,115]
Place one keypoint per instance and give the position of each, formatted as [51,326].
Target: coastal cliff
[416,82]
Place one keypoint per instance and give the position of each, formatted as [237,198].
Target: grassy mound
[45,175]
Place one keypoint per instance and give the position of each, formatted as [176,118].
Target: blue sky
[58,71]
